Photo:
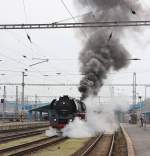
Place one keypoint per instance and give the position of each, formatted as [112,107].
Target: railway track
[12,136]
[31,146]
[101,145]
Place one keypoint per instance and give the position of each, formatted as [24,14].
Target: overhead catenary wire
[19,62]
[12,59]
[50,73]
[15,60]
[41,72]
[25,45]
[29,38]
[35,44]
[64,4]
[24,8]
[25,13]
[75,17]
[111,31]
[14,34]
[71,84]
[68,10]
[72,16]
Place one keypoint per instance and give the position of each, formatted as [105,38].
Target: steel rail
[112,145]
[38,147]
[86,151]
[56,25]
[8,149]
[21,135]
[89,149]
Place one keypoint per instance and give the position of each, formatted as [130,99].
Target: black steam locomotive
[64,110]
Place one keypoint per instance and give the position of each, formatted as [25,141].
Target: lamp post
[134,80]
[3,100]
[23,85]
[4,103]
[16,107]
[134,88]
[146,86]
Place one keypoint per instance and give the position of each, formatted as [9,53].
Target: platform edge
[130,148]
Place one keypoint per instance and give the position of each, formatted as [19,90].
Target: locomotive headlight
[70,120]
[63,103]
[55,119]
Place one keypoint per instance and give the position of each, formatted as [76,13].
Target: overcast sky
[60,46]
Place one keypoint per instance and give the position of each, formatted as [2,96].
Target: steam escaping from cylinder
[51,132]
[103,50]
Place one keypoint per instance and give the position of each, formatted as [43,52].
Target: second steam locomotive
[64,110]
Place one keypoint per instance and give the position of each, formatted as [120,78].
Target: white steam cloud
[100,118]
[51,132]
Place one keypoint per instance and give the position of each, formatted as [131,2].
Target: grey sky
[61,46]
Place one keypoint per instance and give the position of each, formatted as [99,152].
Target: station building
[13,111]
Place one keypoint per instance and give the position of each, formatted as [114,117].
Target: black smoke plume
[103,50]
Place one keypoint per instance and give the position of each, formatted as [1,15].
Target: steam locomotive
[64,110]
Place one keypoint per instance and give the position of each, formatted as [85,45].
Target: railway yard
[35,142]
[74,78]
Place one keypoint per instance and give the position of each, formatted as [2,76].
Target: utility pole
[145,95]
[4,103]
[99,98]
[35,105]
[16,108]
[36,97]
[112,92]
[23,84]
[134,88]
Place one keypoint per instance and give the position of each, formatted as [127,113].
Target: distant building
[11,106]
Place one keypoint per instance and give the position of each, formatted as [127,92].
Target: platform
[22,125]
[140,138]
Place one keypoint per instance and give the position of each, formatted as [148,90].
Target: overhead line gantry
[68,85]
[57,25]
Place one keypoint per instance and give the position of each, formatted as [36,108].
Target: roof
[45,108]
[137,106]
